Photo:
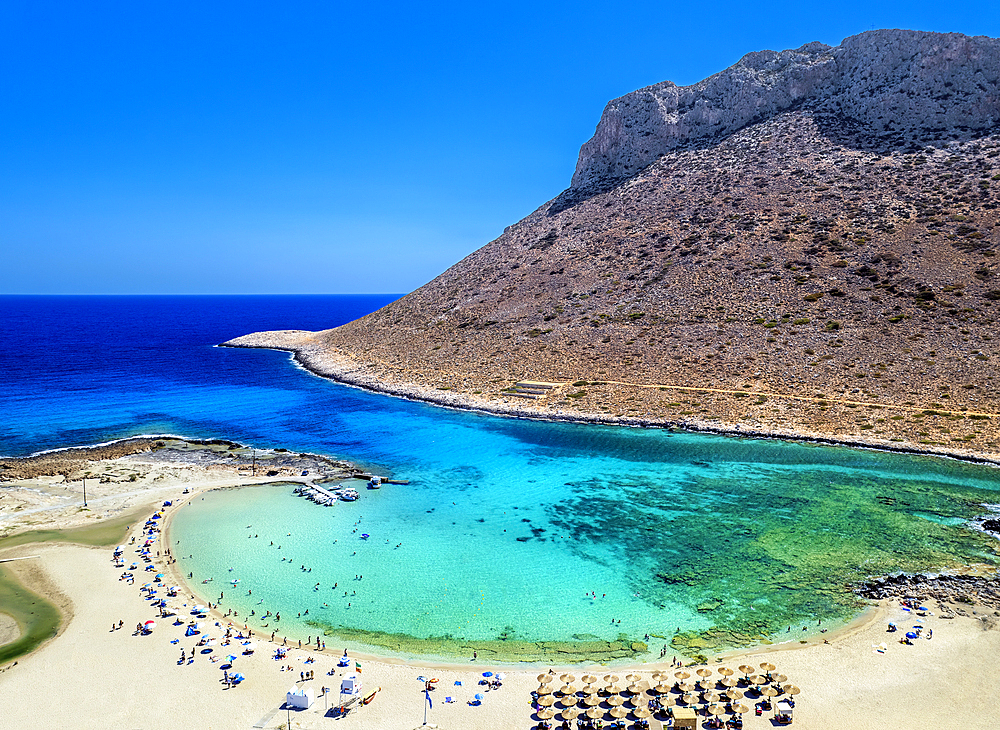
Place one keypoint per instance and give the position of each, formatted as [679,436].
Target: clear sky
[327,147]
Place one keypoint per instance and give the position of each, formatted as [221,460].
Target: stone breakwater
[320,360]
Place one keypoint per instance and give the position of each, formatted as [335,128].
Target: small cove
[507,524]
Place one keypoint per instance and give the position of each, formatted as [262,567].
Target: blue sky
[325,147]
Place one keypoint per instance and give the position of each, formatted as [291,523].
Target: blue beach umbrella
[231,658]
[479,697]
[487,674]
[911,634]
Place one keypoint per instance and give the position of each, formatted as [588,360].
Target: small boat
[370,697]
[375,483]
[349,495]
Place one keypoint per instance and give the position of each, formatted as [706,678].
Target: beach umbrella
[668,701]
[567,689]
[791,689]
[747,669]
[704,672]
[231,658]
[614,689]
[767,666]
[638,687]
[478,696]
[682,675]
[712,697]
[544,689]
[501,675]
[758,679]
[641,712]
[592,701]
[741,709]
[779,678]
[238,677]
[686,686]
[569,700]
[726,671]
[149,625]
[610,678]
[716,709]
[595,713]
[769,692]
[734,694]
[589,690]
[546,714]
[616,701]
[619,712]
[691,698]
[567,678]
[632,677]
[729,682]
[570,713]
[662,688]
[542,678]
[589,678]
[487,674]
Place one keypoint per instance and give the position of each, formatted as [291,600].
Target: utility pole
[254,453]
[85,491]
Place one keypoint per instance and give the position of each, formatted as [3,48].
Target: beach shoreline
[196,483]
[345,371]
[844,679]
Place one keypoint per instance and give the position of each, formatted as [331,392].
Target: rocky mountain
[803,243]
[902,87]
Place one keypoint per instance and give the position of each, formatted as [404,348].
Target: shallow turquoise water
[507,528]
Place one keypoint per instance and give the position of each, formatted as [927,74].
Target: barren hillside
[807,249]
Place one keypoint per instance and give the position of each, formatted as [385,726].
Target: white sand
[92,677]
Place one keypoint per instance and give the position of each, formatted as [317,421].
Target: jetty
[384,480]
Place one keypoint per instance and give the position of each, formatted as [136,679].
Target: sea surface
[516,539]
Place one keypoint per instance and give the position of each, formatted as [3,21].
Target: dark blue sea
[509,527]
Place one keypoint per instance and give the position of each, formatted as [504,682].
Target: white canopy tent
[299,698]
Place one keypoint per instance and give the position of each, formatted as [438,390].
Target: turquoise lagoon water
[508,529]
[507,525]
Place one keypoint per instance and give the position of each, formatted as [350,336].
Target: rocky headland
[801,245]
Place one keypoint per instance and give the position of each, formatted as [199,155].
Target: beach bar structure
[299,698]
[684,717]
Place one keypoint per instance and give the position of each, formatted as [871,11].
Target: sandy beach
[92,676]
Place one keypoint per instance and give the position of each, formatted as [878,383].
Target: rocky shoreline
[344,370]
[962,595]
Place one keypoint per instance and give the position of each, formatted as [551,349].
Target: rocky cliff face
[896,85]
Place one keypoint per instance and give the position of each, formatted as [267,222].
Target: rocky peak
[893,85]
